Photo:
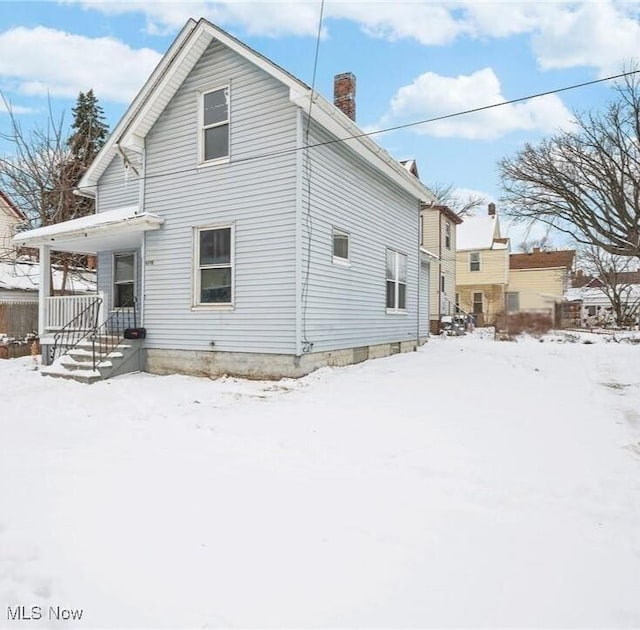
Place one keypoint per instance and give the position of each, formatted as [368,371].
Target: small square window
[340,246]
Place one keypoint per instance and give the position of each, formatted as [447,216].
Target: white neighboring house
[594,304]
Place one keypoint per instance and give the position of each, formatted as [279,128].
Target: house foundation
[259,366]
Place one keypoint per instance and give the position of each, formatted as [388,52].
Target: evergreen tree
[89,131]
[88,135]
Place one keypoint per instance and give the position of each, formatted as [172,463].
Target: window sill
[216,162]
[342,262]
[213,307]
[393,311]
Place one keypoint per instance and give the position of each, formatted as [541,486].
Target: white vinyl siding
[118,187]
[346,305]
[258,196]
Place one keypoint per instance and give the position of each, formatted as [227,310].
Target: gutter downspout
[298,236]
[419,274]
[143,260]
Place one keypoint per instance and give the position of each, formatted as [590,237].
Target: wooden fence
[18,319]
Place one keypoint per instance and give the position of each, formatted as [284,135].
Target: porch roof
[114,229]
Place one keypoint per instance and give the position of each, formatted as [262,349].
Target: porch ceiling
[114,229]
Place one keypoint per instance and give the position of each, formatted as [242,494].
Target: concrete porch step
[82,376]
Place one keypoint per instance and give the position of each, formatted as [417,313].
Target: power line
[282,152]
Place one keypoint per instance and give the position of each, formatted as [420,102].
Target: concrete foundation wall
[261,365]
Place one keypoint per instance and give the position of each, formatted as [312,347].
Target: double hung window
[214,266]
[215,125]
[396,272]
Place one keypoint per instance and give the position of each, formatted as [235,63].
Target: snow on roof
[25,276]
[478,233]
[89,222]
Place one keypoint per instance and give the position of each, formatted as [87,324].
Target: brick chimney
[492,209]
[344,93]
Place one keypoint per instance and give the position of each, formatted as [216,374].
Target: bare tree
[544,243]
[39,177]
[619,280]
[584,182]
[460,204]
[31,175]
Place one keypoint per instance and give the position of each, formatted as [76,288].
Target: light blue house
[245,223]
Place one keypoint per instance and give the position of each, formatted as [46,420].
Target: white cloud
[45,61]
[288,17]
[428,23]
[603,35]
[432,95]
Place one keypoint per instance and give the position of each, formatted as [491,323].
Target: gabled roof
[542,260]
[11,206]
[447,212]
[479,232]
[173,69]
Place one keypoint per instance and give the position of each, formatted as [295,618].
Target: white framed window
[213,273]
[478,303]
[447,234]
[214,124]
[421,229]
[396,274]
[512,301]
[340,246]
[474,261]
[124,274]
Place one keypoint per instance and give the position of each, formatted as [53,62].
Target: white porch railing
[60,310]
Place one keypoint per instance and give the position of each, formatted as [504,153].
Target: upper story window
[396,281]
[447,235]
[421,230]
[215,125]
[214,266]
[340,246]
[474,261]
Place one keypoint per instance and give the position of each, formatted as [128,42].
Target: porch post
[44,288]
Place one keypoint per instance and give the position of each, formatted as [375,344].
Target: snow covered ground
[473,483]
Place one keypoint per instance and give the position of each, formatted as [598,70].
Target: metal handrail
[110,334]
[70,335]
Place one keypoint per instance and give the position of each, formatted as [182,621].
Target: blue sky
[413,60]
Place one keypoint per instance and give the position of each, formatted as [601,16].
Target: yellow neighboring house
[482,267]
[10,219]
[438,226]
[538,281]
